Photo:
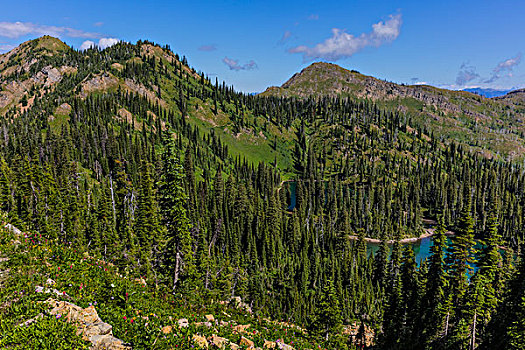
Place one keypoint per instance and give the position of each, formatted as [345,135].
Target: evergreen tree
[434,302]
[326,320]
[179,257]
[460,256]
[147,225]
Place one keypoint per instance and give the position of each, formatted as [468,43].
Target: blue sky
[256,44]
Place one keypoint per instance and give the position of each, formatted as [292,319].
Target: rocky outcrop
[63,109]
[239,304]
[13,229]
[183,323]
[283,346]
[241,329]
[219,342]
[247,342]
[200,341]
[12,91]
[89,325]
[269,344]
[100,82]
[140,89]
[167,329]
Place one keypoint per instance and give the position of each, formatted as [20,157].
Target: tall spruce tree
[179,259]
[434,303]
[461,256]
[147,225]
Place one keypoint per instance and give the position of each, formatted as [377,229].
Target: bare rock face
[53,75]
[117,66]
[101,82]
[64,109]
[13,229]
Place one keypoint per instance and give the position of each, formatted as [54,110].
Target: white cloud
[234,64]
[508,64]
[87,44]
[98,24]
[15,30]
[342,45]
[466,74]
[102,43]
[313,17]
[107,42]
[504,68]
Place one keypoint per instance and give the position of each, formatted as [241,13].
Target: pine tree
[179,255]
[327,319]
[434,302]
[147,226]
[381,263]
[490,264]
[460,256]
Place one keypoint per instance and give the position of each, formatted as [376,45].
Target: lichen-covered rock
[89,325]
[203,324]
[247,342]
[107,342]
[183,323]
[269,344]
[283,346]
[166,329]
[218,342]
[90,330]
[241,328]
[200,340]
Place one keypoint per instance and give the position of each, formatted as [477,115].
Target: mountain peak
[320,78]
[43,46]
[50,43]
[46,43]
[321,71]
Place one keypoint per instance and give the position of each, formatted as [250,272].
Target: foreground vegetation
[139,313]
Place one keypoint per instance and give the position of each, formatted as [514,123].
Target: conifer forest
[210,196]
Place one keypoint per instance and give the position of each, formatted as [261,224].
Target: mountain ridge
[493,125]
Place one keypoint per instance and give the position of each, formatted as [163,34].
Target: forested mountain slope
[488,125]
[131,154]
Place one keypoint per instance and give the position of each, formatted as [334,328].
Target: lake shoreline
[428,233]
